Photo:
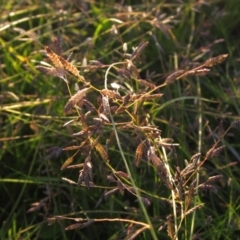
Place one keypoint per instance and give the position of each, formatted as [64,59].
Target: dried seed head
[171,78]
[198,72]
[161,169]
[105,104]
[195,157]
[54,58]
[194,209]
[86,173]
[214,178]
[126,99]
[139,50]
[111,94]
[100,149]
[215,60]
[170,227]
[79,225]
[69,67]
[152,96]
[75,99]
[139,152]
[104,117]
[216,151]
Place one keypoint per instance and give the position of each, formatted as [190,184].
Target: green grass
[36,201]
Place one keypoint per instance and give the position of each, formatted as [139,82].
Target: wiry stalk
[127,167]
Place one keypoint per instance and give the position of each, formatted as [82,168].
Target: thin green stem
[126,164]
[199,150]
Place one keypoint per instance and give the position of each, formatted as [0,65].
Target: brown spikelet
[96,63]
[111,178]
[166,142]
[54,58]
[75,99]
[139,152]
[79,225]
[161,169]
[209,152]
[136,97]
[230,165]
[192,166]
[105,104]
[213,152]
[133,71]
[195,157]
[124,73]
[104,117]
[205,186]
[139,50]
[171,78]
[194,209]
[122,174]
[216,151]
[111,94]
[189,197]
[152,96]
[67,162]
[126,99]
[198,72]
[102,152]
[170,227]
[215,60]
[80,165]
[86,173]
[95,141]
[146,83]
[214,178]
[70,67]
[71,148]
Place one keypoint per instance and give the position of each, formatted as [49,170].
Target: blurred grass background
[185,33]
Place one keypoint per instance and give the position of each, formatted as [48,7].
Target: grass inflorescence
[120,121]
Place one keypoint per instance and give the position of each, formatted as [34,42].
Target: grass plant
[119,120]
